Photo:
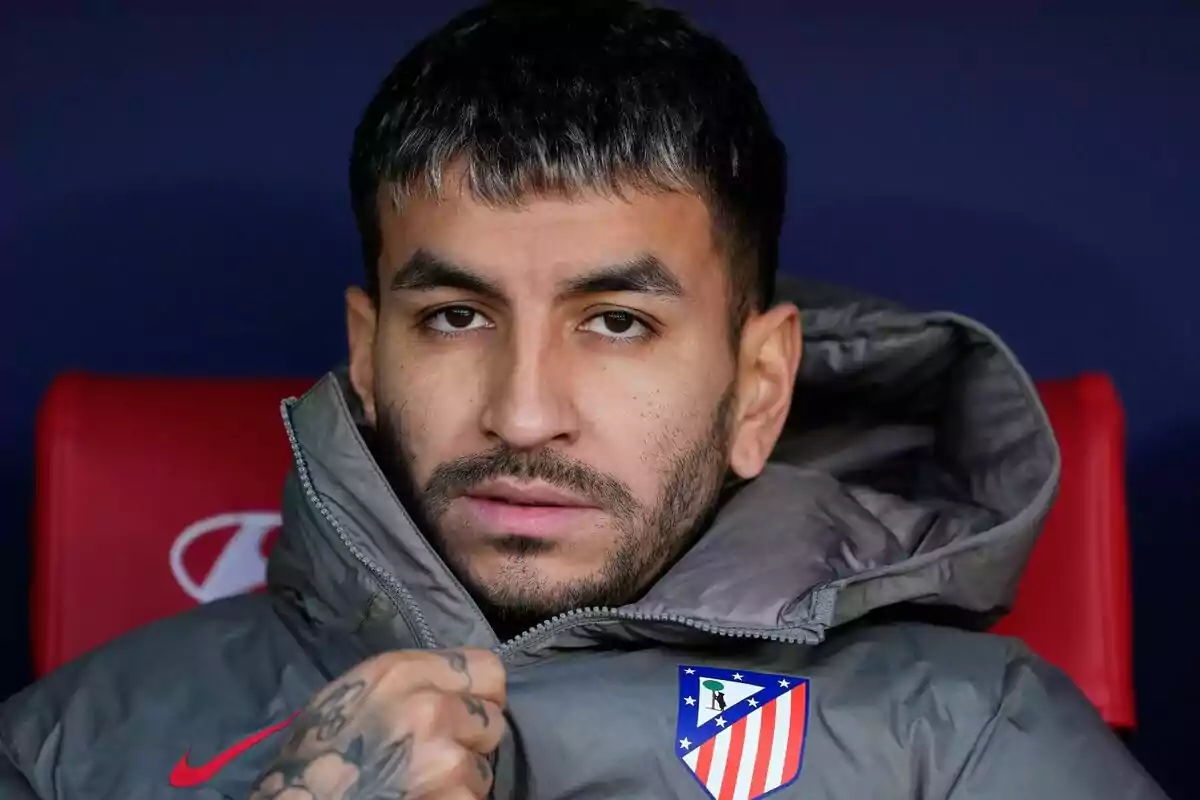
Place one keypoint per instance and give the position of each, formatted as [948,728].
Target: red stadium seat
[156,494]
[151,495]
[1074,605]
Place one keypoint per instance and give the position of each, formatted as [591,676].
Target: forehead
[545,239]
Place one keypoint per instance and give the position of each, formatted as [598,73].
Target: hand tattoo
[458,663]
[365,768]
[477,709]
[484,765]
[328,716]
[366,772]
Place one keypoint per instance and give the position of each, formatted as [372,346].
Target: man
[559,530]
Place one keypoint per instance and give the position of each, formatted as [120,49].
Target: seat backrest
[157,494]
[1074,604]
[151,495]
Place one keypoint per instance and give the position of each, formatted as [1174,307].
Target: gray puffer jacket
[784,653]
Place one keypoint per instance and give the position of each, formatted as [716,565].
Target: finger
[482,671]
[454,793]
[477,672]
[448,770]
[470,721]
[484,726]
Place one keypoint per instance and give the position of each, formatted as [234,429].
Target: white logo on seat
[240,566]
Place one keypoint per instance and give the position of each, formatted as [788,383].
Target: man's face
[552,387]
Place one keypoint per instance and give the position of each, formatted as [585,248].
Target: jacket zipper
[807,634]
[400,596]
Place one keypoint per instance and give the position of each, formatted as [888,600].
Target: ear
[361,318]
[769,357]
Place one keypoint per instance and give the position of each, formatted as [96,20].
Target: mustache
[456,477]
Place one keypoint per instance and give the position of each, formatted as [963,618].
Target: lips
[528,495]
[535,510]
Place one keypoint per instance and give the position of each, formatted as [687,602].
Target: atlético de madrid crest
[741,733]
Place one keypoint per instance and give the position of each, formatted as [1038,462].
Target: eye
[456,319]
[620,325]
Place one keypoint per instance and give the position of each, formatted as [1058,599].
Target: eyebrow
[645,274]
[425,272]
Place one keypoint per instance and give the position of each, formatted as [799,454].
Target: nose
[529,402]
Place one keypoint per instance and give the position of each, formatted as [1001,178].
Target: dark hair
[546,96]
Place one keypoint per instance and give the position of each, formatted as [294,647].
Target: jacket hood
[916,467]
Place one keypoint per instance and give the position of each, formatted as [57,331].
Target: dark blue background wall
[174,202]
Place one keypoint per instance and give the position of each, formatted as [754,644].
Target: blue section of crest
[694,696]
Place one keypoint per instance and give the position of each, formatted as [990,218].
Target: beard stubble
[649,537]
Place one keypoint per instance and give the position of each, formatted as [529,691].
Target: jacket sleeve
[1047,742]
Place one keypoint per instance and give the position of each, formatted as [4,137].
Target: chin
[535,584]
[531,573]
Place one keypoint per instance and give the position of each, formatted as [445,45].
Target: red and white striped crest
[741,733]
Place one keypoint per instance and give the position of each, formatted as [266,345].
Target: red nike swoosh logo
[185,776]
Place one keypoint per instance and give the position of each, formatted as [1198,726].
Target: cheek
[660,400]
[643,432]
[436,408]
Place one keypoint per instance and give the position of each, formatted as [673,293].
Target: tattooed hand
[409,724]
